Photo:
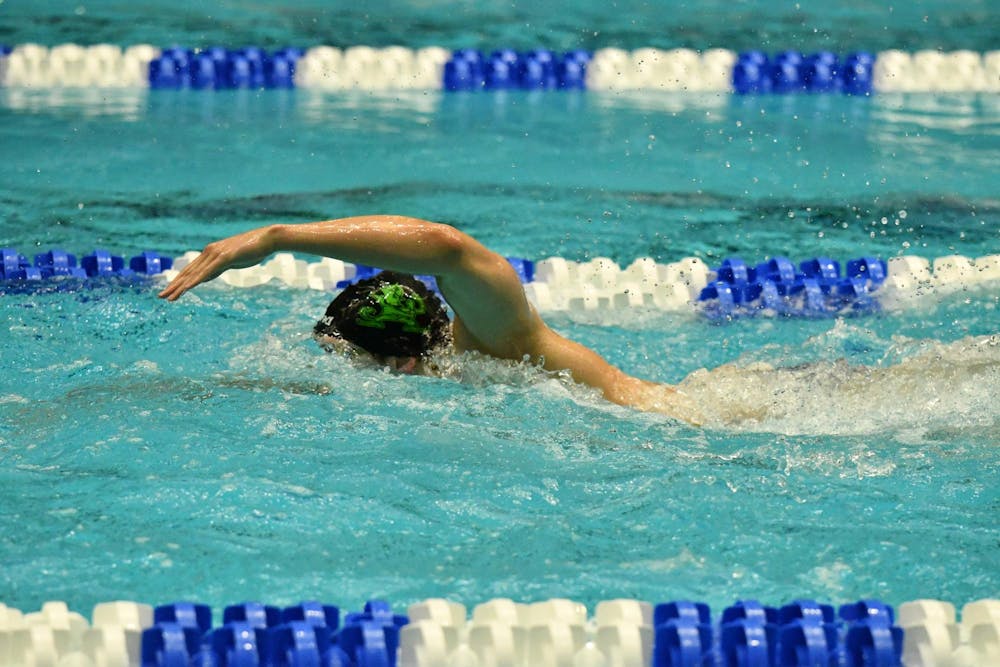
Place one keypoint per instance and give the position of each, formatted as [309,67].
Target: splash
[918,387]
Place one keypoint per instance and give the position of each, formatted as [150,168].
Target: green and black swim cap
[389,314]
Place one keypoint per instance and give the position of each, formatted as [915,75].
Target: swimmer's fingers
[207,266]
[240,251]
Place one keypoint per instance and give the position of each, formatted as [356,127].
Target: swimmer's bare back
[492,314]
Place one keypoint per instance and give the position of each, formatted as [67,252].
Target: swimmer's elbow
[453,247]
[450,241]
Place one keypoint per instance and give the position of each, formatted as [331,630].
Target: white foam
[936,385]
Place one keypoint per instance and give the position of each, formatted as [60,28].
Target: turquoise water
[207,450]
[623,176]
[558,24]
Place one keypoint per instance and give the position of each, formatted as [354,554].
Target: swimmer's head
[388,315]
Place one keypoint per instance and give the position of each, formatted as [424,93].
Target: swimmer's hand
[235,252]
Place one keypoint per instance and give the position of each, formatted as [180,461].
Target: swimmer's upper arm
[487,296]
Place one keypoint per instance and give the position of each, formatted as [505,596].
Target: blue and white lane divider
[400,68]
[504,633]
[815,287]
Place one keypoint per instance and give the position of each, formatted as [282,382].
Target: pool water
[521,24]
[567,174]
[208,450]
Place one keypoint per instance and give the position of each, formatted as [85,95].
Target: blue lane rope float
[470,69]
[217,68]
[816,288]
[437,632]
[539,69]
[57,263]
[792,72]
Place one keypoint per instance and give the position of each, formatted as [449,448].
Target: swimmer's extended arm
[480,285]
[401,244]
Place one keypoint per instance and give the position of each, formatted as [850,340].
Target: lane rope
[435,68]
[814,287]
[438,632]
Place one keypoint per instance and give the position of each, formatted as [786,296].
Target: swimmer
[396,320]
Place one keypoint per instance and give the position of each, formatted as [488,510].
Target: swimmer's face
[405,365]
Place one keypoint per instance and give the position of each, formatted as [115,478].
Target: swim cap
[389,314]
[393,303]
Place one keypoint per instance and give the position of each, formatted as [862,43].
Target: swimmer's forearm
[397,243]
